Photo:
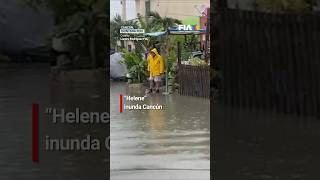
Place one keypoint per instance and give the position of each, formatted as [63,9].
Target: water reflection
[20,85]
[159,144]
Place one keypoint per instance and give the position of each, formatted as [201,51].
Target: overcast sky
[116,8]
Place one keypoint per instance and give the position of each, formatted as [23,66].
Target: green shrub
[197,62]
[136,65]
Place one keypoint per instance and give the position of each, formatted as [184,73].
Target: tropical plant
[115,26]
[172,68]
[82,23]
[197,62]
[163,22]
[153,23]
[172,75]
[136,65]
[147,24]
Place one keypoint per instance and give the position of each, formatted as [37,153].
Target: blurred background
[53,53]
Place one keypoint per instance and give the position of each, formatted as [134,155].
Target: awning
[156,34]
[179,32]
[175,32]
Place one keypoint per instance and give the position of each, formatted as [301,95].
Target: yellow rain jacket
[155,64]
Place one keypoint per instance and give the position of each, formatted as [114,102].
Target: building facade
[204,25]
[178,9]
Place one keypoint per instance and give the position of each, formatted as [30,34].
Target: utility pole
[165,54]
[124,10]
[124,44]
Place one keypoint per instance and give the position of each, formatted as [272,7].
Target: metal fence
[194,80]
[270,61]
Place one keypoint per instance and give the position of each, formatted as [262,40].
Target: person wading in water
[156,69]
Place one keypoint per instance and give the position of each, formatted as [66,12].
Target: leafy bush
[136,65]
[197,62]
[80,25]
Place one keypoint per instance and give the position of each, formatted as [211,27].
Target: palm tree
[115,26]
[148,25]
[85,19]
[153,23]
[164,22]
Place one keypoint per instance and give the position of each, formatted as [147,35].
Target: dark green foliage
[82,23]
[136,65]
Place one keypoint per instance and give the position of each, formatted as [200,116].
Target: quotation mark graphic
[48,110]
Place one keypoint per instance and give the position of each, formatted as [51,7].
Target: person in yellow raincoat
[155,68]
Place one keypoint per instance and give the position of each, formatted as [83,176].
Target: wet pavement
[172,143]
[20,86]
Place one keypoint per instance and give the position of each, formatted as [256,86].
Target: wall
[179,9]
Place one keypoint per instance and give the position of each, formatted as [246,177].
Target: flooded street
[172,143]
[20,86]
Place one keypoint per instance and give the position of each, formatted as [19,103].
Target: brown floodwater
[172,143]
[20,86]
